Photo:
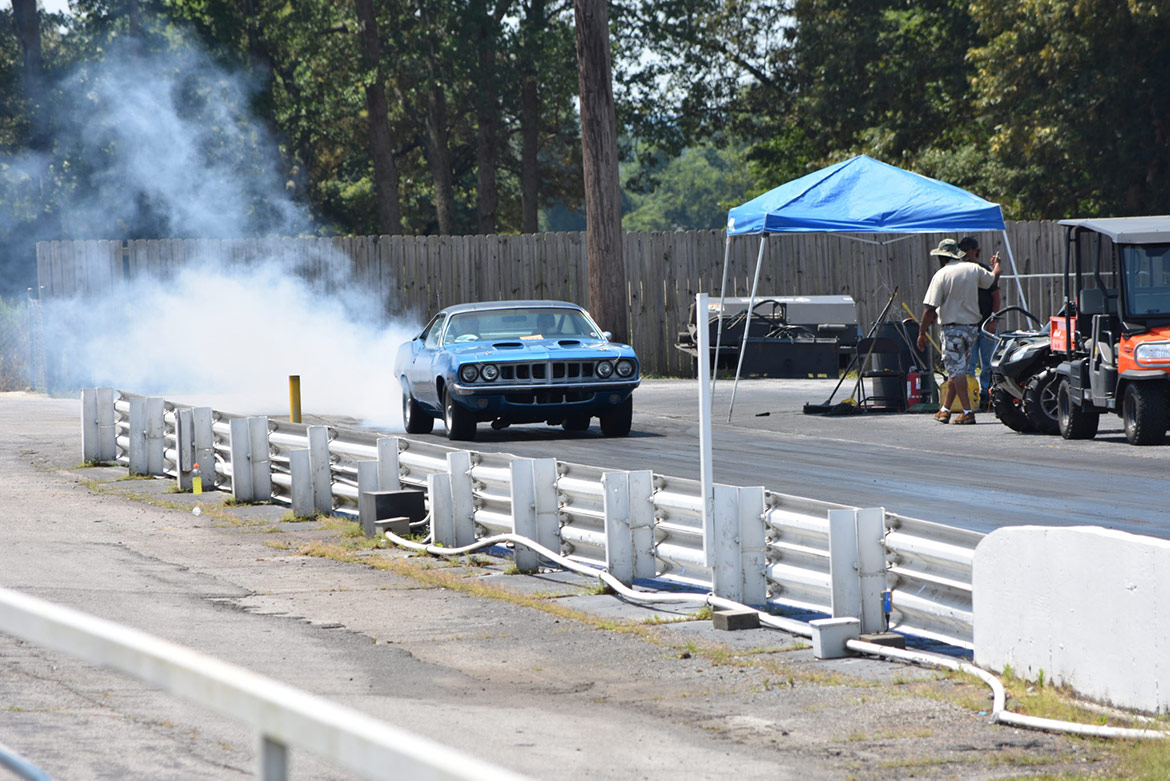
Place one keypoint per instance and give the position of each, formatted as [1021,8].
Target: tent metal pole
[747,323]
[719,327]
[1015,272]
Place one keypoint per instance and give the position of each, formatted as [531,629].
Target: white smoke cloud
[174,151]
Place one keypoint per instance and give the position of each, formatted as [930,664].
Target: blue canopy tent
[858,195]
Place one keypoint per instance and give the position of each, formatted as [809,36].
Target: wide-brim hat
[948,248]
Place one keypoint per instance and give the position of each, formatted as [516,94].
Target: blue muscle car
[515,362]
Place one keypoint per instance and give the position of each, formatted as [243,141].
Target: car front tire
[415,419]
[460,424]
[616,422]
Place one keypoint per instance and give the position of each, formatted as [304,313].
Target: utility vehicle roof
[1128,230]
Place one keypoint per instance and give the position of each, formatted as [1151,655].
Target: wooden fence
[419,275]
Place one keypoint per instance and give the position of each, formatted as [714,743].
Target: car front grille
[546,371]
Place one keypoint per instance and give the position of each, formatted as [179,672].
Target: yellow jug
[973,395]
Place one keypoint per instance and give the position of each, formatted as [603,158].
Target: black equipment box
[788,336]
[789,358]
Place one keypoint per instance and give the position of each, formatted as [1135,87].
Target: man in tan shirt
[953,300]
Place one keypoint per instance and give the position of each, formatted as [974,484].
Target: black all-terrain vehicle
[1024,377]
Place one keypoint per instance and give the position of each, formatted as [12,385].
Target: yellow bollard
[294,398]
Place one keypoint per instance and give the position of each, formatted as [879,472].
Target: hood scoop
[507,345]
[569,342]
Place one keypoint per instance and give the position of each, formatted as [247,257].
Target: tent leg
[1015,272]
[719,325]
[747,323]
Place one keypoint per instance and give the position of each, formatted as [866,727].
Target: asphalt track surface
[976,477]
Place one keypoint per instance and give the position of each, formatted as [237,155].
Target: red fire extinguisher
[913,388]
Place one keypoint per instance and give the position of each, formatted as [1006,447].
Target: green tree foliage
[295,73]
[694,192]
[883,78]
[1078,99]
[1051,107]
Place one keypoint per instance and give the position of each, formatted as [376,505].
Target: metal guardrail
[282,716]
[929,576]
[928,565]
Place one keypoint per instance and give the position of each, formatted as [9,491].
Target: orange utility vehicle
[1114,330]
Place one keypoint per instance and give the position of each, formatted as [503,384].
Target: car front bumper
[534,403]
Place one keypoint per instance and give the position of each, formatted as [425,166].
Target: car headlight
[1152,351]
[489,372]
[604,369]
[468,373]
[624,368]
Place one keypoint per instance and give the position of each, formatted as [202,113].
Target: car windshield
[1147,279]
[520,323]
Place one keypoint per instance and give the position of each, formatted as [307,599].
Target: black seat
[882,366]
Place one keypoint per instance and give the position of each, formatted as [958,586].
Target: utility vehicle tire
[415,419]
[615,422]
[1143,408]
[576,423]
[1010,411]
[460,423]
[1040,402]
[1076,422]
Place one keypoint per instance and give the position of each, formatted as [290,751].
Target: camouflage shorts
[957,343]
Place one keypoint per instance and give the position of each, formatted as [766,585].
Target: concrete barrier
[1079,605]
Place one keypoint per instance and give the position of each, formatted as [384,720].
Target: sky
[52,6]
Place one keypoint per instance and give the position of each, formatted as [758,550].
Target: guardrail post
[261,465]
[203,435]
[321,469]
[367,483]
[302,483]
[156,429]
[442,514]
[619,542]
[641,493]
[271,759]
[462,497]
[388,474]
[871,567]
[241,446]
[107,425]
[545,503]
[753,546]
[136,437]
[724,554]
[857,566]
[524,513]
[98,431]
[184,448]
[89,425]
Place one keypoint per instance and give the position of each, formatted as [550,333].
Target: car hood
[539,350]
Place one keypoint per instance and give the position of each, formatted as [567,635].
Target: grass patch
[291,517]
[1060,702]
[1145,760]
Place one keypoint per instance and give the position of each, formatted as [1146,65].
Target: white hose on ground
[999,712]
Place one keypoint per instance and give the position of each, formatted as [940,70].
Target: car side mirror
[607,335]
